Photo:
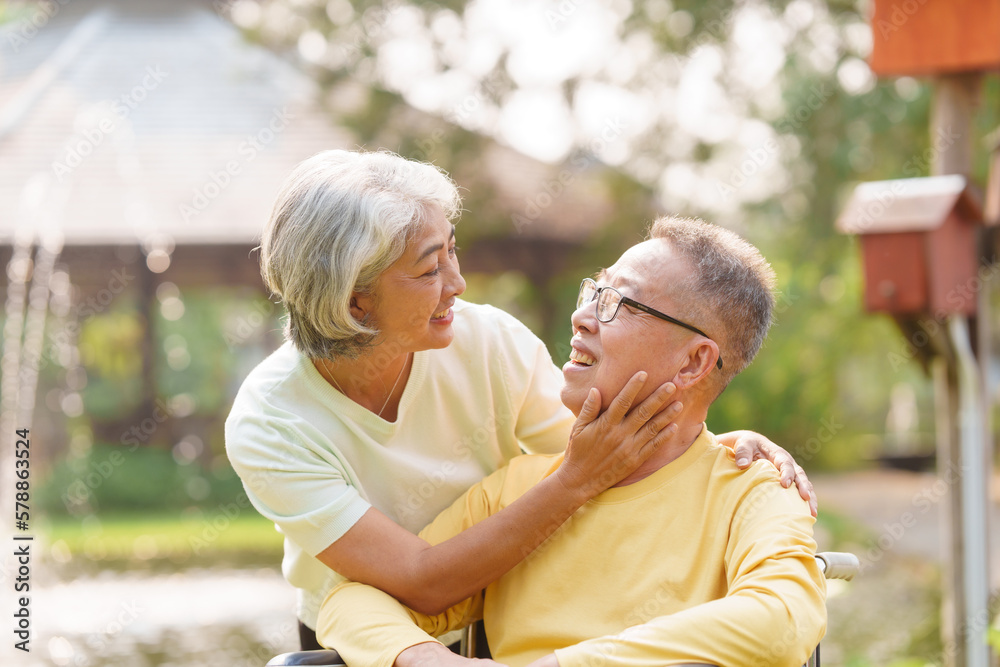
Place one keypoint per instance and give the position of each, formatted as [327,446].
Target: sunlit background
[141,147]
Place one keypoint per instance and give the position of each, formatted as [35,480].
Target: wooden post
[147,310]
[956,97]
[950,99]
[947,427]
[990,245]
[955,100]
[955,40]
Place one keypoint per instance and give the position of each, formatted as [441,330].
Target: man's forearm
[737,630]
[437,655]
[549,660]
[430,654]
[371,629]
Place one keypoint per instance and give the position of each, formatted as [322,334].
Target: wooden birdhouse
[926,37]
[918,243]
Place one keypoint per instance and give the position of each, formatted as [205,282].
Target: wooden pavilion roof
[156,123]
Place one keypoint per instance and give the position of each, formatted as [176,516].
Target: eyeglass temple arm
[672,320]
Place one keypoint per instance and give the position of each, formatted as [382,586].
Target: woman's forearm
[465,564]
[429,579]
[603,450]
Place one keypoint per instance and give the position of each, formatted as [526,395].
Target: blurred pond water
[193,618]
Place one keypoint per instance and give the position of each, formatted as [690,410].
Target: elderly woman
[391,396]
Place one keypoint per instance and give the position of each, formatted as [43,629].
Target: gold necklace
[395,384]
[332,379]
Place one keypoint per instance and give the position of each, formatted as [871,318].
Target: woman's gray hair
[729,295]
[340,220]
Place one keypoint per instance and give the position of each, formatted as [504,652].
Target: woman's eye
[451,253]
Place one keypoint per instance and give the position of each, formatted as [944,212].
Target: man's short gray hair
[729,295]
[340,220]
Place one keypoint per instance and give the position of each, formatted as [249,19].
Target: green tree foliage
[134,480]
[795,134]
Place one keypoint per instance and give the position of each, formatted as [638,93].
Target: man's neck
[689,428]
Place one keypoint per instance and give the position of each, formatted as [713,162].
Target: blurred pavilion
[141,147]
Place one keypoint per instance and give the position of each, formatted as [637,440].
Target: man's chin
[573,400]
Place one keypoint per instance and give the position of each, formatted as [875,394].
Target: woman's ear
[361,305]
[700,362]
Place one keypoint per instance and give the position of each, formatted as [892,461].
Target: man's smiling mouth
[581,358]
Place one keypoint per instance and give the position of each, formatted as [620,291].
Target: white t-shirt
[313,461]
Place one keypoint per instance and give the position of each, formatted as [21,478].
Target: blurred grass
[179,541]
[888,616]
[835,531]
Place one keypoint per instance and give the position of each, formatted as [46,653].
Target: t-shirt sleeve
[369,627]
[291,480]
[543,423]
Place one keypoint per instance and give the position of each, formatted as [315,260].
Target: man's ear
[700,362]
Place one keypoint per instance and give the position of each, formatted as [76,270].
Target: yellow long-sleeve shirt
[699,562]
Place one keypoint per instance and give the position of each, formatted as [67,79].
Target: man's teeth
[581,358]
[443,313]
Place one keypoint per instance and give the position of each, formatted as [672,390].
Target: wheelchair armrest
[838,565]
[330,658]
[325,658]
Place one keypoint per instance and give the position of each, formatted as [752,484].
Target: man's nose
[584,318]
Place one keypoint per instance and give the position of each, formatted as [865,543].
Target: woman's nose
[456,283]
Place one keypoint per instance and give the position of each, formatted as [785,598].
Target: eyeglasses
[609,300]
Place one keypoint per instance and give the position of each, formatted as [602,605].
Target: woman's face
[412,300]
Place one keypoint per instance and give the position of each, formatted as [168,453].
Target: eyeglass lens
[586,295]
[607,300]
[607,304]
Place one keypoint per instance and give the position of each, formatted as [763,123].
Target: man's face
[606,354]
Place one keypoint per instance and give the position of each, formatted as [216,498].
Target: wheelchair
[833,564]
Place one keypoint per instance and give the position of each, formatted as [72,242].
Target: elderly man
[685,560]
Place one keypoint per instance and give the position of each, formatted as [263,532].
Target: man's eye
[434,272]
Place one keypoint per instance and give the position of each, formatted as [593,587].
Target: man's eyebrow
[624,281]
[434,248]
